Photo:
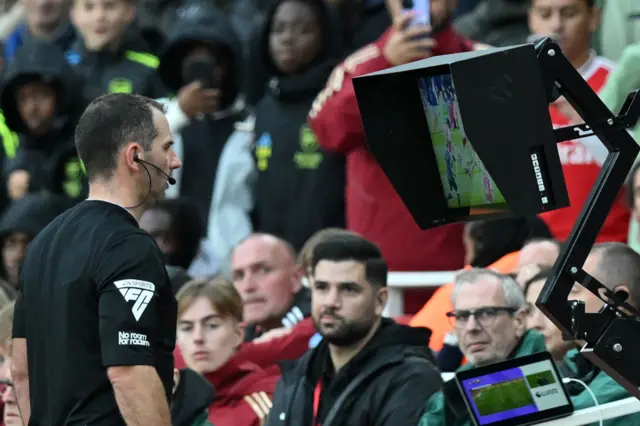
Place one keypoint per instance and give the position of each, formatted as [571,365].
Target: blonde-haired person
[210,332]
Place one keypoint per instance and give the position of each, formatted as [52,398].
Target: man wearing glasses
[489,319]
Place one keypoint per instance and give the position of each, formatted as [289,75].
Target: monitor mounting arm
[611,333]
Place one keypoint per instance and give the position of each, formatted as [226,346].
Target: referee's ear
[132,153]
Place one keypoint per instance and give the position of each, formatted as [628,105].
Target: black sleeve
[19,328]
[409,388]
[130,275]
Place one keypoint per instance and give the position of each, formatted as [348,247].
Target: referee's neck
[120,197]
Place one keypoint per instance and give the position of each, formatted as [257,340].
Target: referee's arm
[129,273]
[19,364]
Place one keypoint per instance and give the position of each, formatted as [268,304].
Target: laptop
[516,392]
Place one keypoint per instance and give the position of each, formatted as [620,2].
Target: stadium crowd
[281,228]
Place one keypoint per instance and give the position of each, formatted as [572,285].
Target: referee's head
[125,144]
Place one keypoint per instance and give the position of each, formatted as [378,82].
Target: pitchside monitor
[466,136]
[516,392]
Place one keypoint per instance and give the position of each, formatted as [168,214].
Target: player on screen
[488,190]
[453,186]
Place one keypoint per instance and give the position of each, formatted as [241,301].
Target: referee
[95,320]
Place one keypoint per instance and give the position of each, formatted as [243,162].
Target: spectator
[40,100]
[161,17]
[536,320]
[362,21]
[616,266]
[490,325]
[620,27]
[209,334]
[486,241]
[267,277]
[177,228]
[46,20]
[539,251]
[20,223]
[300,187]
[574,21]
[536,253]
[497,23]
[493,244]
[10,143]
[367,370]
[624,79]
[206,119]
[374,209]
[110,55]
[6,320]
[178,277]
[11,415]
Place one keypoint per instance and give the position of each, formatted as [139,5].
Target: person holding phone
[374,209]
[202,64]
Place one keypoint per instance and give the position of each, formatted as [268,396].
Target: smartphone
[422,8]
[201,69]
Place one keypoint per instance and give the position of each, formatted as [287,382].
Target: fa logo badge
[139,291]
[120,85]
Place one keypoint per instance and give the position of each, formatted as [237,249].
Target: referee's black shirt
[94,294]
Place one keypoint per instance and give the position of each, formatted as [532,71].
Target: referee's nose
[174,162]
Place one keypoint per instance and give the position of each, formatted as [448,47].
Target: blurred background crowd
[259,98]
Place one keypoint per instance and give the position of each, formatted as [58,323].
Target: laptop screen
[529,390]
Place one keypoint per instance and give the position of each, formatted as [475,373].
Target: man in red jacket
[374,209]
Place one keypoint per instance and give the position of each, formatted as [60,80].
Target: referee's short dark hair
[108,124]
[345,247]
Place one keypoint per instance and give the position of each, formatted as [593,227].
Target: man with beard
[367,370]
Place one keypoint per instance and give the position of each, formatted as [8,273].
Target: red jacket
[374,209]
[268,354]
[243,393]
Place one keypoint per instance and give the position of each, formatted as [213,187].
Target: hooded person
[20,223]
[40,101]
[300,186]
[202,63]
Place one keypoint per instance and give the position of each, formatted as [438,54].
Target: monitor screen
[514,392]
[465,180]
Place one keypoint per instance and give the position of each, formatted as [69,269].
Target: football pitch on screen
[502,397]
[468,173]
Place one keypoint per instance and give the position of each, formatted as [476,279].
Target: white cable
[568,380]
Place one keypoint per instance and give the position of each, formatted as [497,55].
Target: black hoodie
[204,138]
[130,68]
[387,383]
[29,215]
[300,187]
[51,159]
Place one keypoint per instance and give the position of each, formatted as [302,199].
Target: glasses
[483,316]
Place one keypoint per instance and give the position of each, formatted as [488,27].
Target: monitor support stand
[610,335]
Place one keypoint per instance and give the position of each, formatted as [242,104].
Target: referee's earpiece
[135,157]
